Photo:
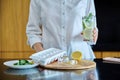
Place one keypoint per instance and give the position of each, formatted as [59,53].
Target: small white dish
[11,65]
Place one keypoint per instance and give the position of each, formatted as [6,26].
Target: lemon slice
[77,55]
[87,33]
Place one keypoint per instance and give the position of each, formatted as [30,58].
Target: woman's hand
[38,47]
[95,34]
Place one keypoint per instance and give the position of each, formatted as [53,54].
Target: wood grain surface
[83,64]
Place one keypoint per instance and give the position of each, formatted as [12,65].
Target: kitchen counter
[102,71]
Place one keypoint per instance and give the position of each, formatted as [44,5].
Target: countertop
[102,71]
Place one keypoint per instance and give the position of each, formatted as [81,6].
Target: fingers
[38,47]
[95,35]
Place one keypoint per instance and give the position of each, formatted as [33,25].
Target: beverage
[88,26]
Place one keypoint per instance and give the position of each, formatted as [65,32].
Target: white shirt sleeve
[33,30]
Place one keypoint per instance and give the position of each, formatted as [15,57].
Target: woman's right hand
[38,47]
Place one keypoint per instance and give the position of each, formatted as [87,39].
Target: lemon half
[87,33]
[77,55]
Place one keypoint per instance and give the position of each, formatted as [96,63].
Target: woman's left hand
[95,34]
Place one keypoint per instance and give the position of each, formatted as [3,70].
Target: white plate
[11,64]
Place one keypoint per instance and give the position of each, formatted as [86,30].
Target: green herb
[23,62]
[88,21]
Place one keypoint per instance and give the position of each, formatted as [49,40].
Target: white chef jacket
[58,24]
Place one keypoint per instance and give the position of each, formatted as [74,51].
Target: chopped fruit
[87,33]
[77,55]
[73,62]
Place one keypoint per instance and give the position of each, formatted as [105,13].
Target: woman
[58,24]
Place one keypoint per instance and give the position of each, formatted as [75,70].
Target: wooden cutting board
[83,64]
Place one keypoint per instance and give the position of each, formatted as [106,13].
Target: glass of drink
[88,26]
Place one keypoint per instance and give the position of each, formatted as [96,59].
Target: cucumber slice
[23,62]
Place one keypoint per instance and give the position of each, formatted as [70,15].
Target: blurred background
[13,20]
[14,17]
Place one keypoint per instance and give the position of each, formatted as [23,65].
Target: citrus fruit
[87,33]
[77,55]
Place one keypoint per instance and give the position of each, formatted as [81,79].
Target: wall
[108,23]
[13,20]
